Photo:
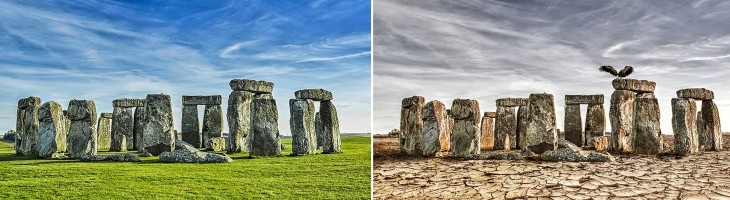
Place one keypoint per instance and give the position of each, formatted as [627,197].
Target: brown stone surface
[621,114]
[574,125]
[511,102]
[583,99]
[541,128]
[696,93]
[711,131]
[445,139]
[434,126]
[600,143]
[684,127]
[628,177]
[647,127]
[595,122]
[640,86]
[490,114]
[518,140]
[411,125]
[505,125]
[487,129]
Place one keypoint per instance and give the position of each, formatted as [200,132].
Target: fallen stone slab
[179,144]
[541,128]
[435,123]
[126,157]
[495,156]
[696,93]
[215,144]
[684,126]
[639,86]
[253,86]
[490,114]
[621,114]
[411,125]
[314,94]
[201,100]
[511,102]
[126,102]
[185,156]
[159,131]
[583,99]
[570,155]
[51,137]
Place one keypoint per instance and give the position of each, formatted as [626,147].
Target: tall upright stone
[159,132]
[27,124]
[487,132]
[646,127]
[541,129]
[711,130]
[138,127]
[505,125]
[104,132]
[519,140]
[445,139]
[595,122]
[466,136]
[239,120]
[81,139]
[301,122]
[330,128]
[683,124]
[51,137]
[264,140]
[621,114]
[191,126]
[122,129]
[212,122]
[700,124]
[574,125]
[435,123]
[411,125]
[318,130]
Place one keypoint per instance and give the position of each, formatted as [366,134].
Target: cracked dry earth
[704,176]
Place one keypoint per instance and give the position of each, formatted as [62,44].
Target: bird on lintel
[623,73]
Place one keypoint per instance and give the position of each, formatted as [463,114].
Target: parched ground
[704,176]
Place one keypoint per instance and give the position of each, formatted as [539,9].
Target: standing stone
[505,126]
[301,122]
[411,125]
[138,127]
[434,125]
[212,122]
[646,127]
[711,121]
[622,120]
[51,137]
[158,135]
[541,129]
[104,133]
[264,140]
[331,128]
[318,130]
[519,140]
[466,135]
[239,120]
[445,138]
[683,124]
[595,122]
[122,129]
[574,125]
[26,139]
[700,123]
[487,129]
[191,126]
[82,134]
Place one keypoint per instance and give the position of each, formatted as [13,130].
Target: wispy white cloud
[334,58]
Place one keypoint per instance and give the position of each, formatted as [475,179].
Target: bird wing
[609,69]
[626,71]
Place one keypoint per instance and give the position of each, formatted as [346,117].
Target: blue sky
[104,50]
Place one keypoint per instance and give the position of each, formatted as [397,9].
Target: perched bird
[623,73]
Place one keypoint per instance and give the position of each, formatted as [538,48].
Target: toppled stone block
[253,86]
[411,125]
[201,100]
[541,128]
[159,132]
[239,120]
[264,140]
[646,127]
[684,126]
[583,99]
[126,157]
[490,114]
[639,86]
[185,156]
[301,122]
[82,138]
[314,94]
[215,144]
[505,125]
[570,155]
[696,93]
[106,115]
[51,137]
[595,122]
[512,102]
[711,131]
[27,124]
[434,126]
[465,138]
[127,103]
[574,125]
[600,143]
[621,114]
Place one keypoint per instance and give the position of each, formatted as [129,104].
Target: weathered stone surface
[51,137]
[490,114]
[411,125]
[574,125]
[649,95]
[301,122]
[684,126]
[711,131]
[122,137]
[639,86]
[158,134]
[27,124]
[283,146]
[186,156]
[251,86]
[622,120]
[541,127]
[595,122]
[201,100]
[318,130]
[239,120]
[570,155]
[314,94]
[511,102]
[125,157]
[445,138]
[264,140]
[583,99]
[191,126]
[104,134]
[138,127]
[82,138]
[106,115]
[696,93]
[518,140]
[487,129]
[465,138]
[646,127]
[505,125]
[331,128]
[212,122]
[495,156]
[215,144]
[700,130]
[126,102]
[434,126]
[600,143]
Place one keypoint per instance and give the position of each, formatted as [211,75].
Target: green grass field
[321,176]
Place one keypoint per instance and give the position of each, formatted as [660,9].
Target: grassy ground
[328,176]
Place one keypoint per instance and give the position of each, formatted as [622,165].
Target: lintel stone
[202,100]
